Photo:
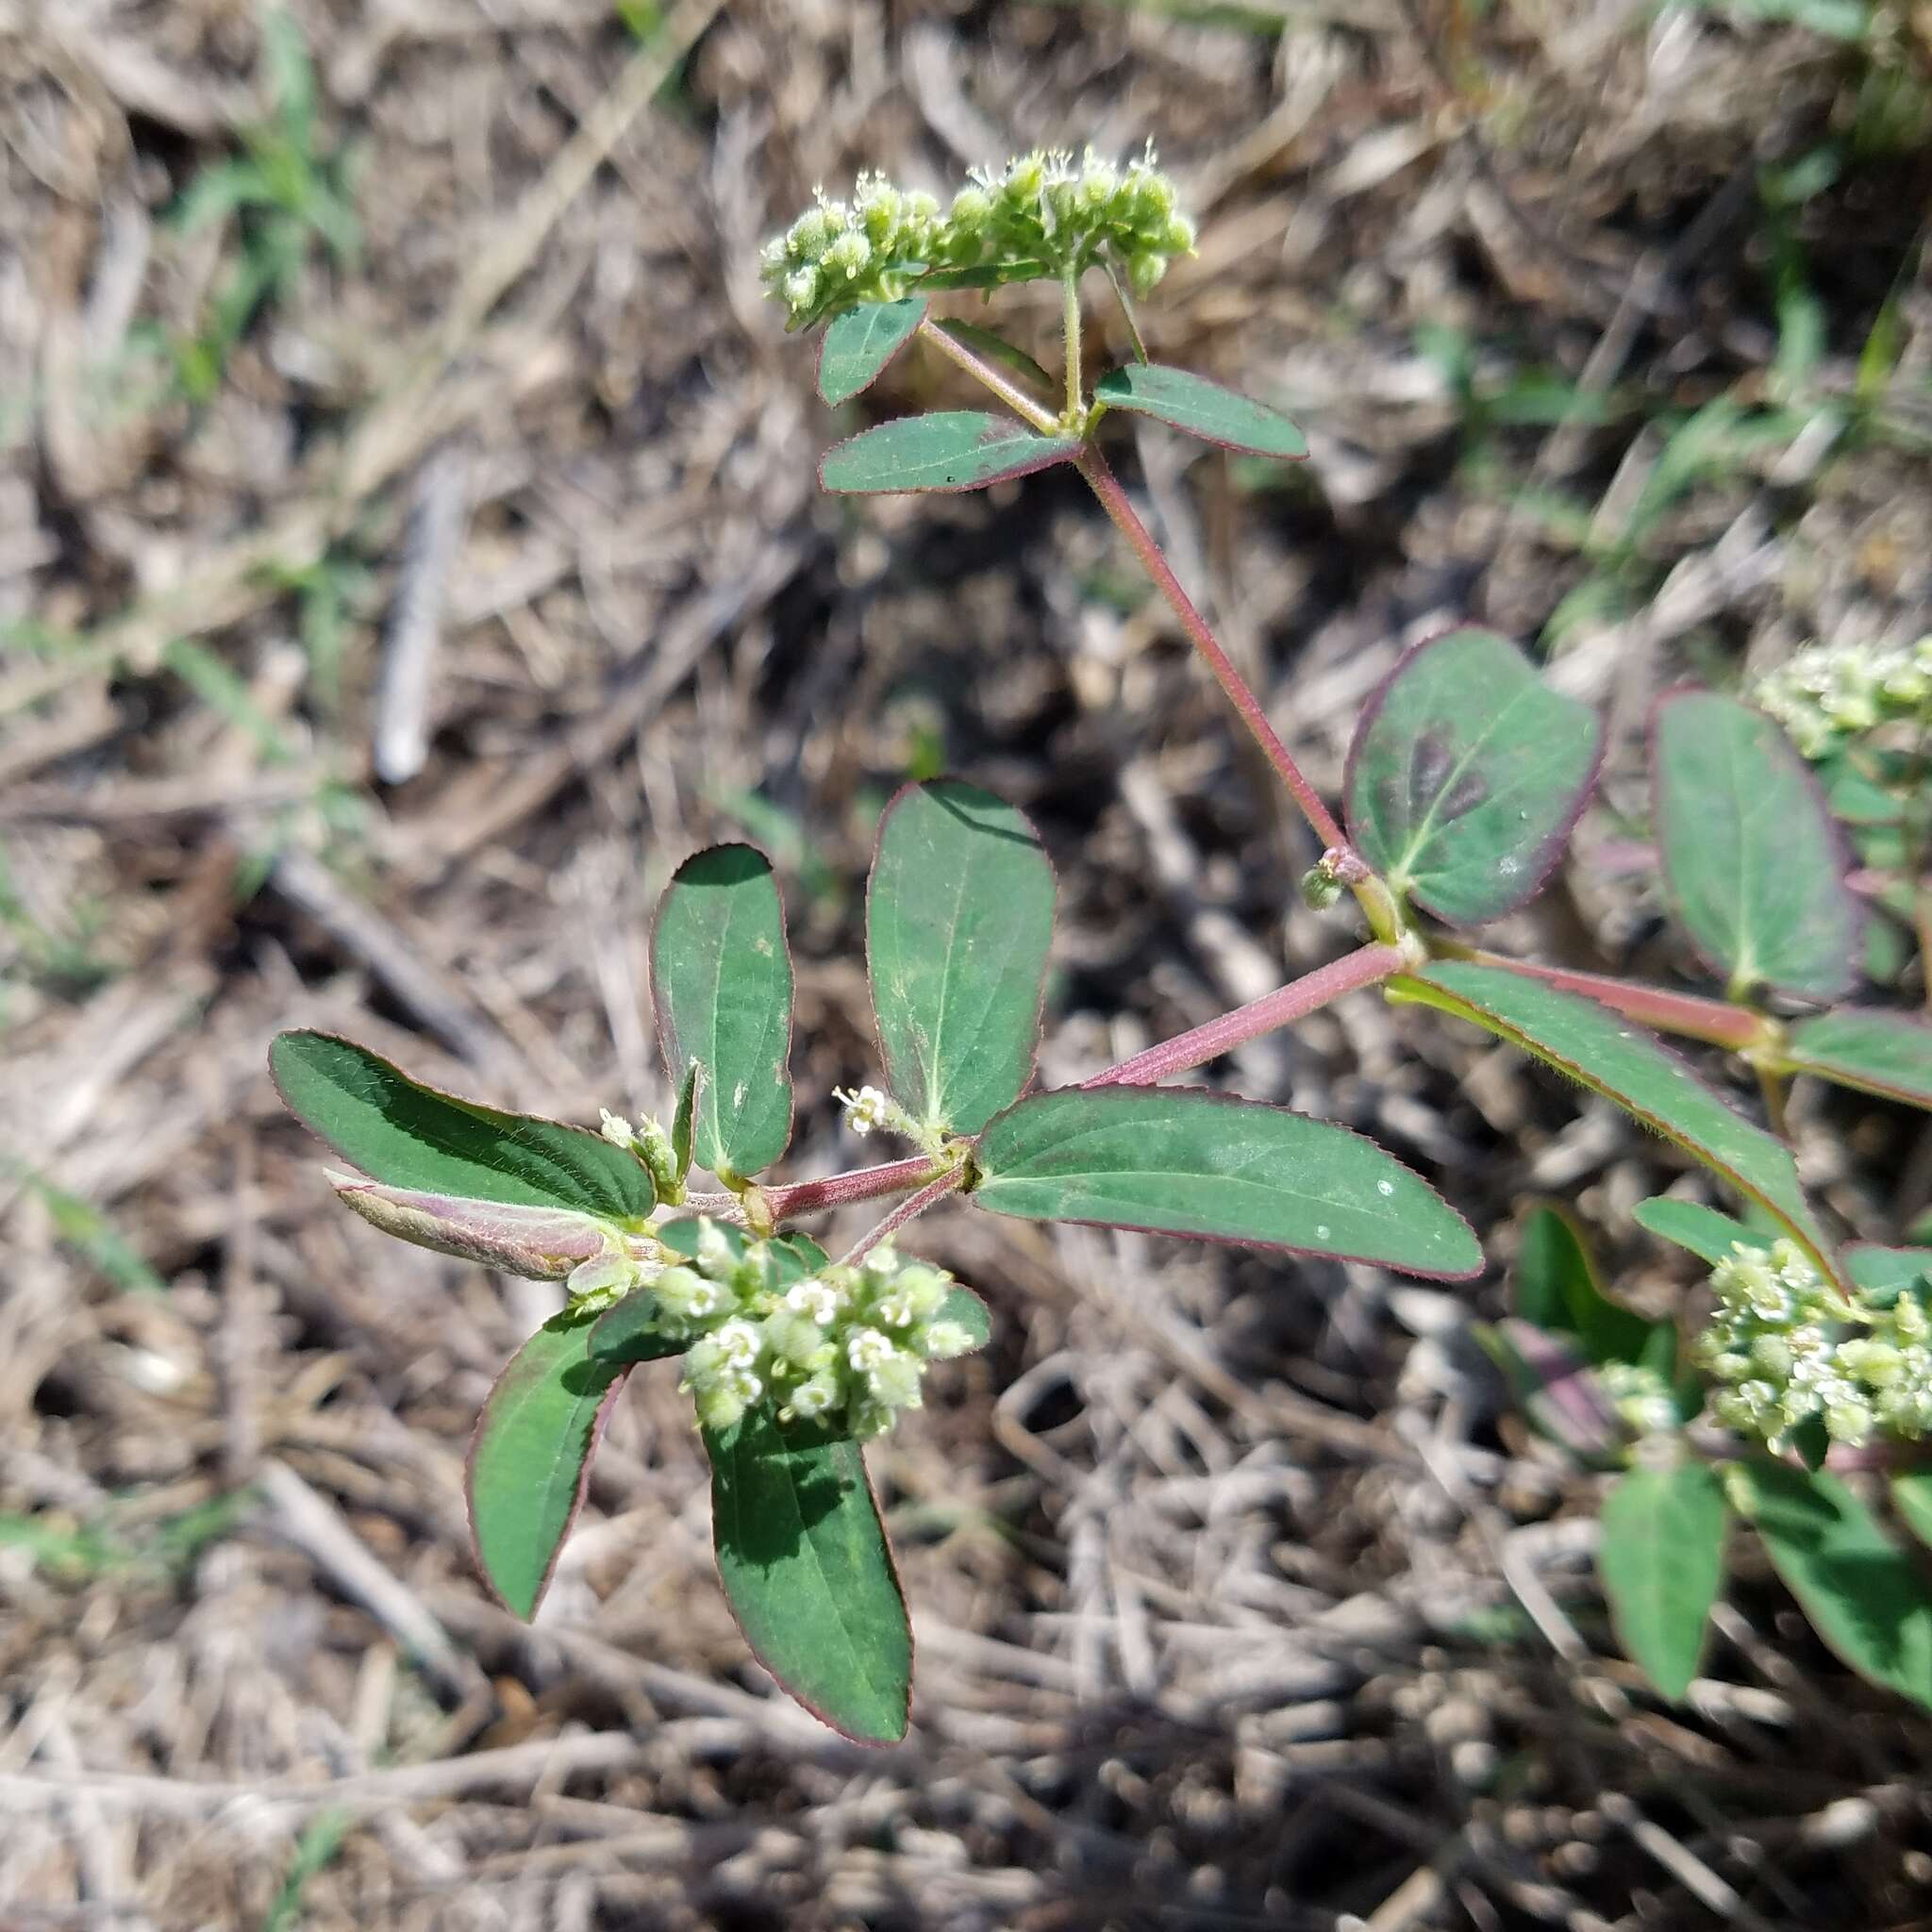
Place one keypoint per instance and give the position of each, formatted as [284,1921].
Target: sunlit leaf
[945,449]
[1661,1560]
[1466,773]
[1877,1052]
[858,342]
[1752,861]
[1708,1234]
[1182,1161]
[1201,408]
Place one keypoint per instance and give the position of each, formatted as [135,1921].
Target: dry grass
[1236,1601]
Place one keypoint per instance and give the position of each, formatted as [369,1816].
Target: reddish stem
[842,1190]
[1113,499]
[933,1193]
[1685,1013]
[1200,1044]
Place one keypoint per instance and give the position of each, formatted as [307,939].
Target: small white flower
[866,1110]
[818,1300]
[867,1349]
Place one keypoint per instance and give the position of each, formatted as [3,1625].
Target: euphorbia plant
[1465,778]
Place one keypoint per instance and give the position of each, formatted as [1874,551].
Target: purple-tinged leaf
[544,1243]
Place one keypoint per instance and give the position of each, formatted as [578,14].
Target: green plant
[1465,778]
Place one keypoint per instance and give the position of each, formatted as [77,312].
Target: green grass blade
[1466,774]
[945,449]
[1874,1050]
[804,1563]
[1181,1161]
[1864,1596]
[1752,864]
[530,1457]
[1613,1057]
[721,976]
[959,918]
[406,1135]
[1661,1560]
[860,342]
[1201,408]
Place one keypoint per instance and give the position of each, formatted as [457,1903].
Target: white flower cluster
[1787,1346]
[651,1145]
[1641,1398]
[1042,214]
[1829,692]
[847,1347]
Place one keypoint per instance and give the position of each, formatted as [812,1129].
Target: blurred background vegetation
[409,551]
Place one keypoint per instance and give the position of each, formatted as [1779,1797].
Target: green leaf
[804,1563]
[1201,408]
[1466,774]
[1556,1290]
[1752,861]
[965,1308]
[721,975]
[1708,1234]
[1863,1594]
[995,348]
[1885,1273]
[959,917]
[861,341]
[1614,1057]
[945,449]
[1911,1496]
[530,1457]
[1883,1053]
[409,1136]
[684,1122]
[1661,1560]
[1183,1161]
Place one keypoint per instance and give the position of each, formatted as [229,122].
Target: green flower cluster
[1787,1346]
[1041,216]
[1830,693]
[847,1347]
[1642,1399]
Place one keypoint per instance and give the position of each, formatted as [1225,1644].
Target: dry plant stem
[1195,1048]
[1684,1013]
[928,1196]
[982,372]
[1113,499]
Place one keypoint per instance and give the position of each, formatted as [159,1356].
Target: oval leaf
[721,976]
[1862,1593]
[1181,1161]
[1201,408]
[804,1563]
[858,342]
[406,1135]
[530,1457]
[1466,774]
[946,449]
[1661,1560]
[1613,1057]
[1752,861]
[958,917]
[1708,1234]
[1882,1053]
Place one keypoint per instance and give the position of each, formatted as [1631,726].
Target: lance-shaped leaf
[1607,1054]
[542,1244]
[1708,1234]
[1883,1053]
[1466,774]
[959,917]
[946,449]
[1862,1593]
[406,1135]
[530,1457]
[1882,1274]
[1182,1161]
[1201,408]
[804,1563]
[721,975]
[1661,1560]
[1752,860]
[858,342]
[1556,1289]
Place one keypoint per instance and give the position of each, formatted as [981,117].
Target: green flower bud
[1320,888]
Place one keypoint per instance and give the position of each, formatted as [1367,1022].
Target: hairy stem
[930,1195]
[1113,499]
[1715,1020]
[1287,1003]
[834,1191]
[981,371]
[1070,336]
